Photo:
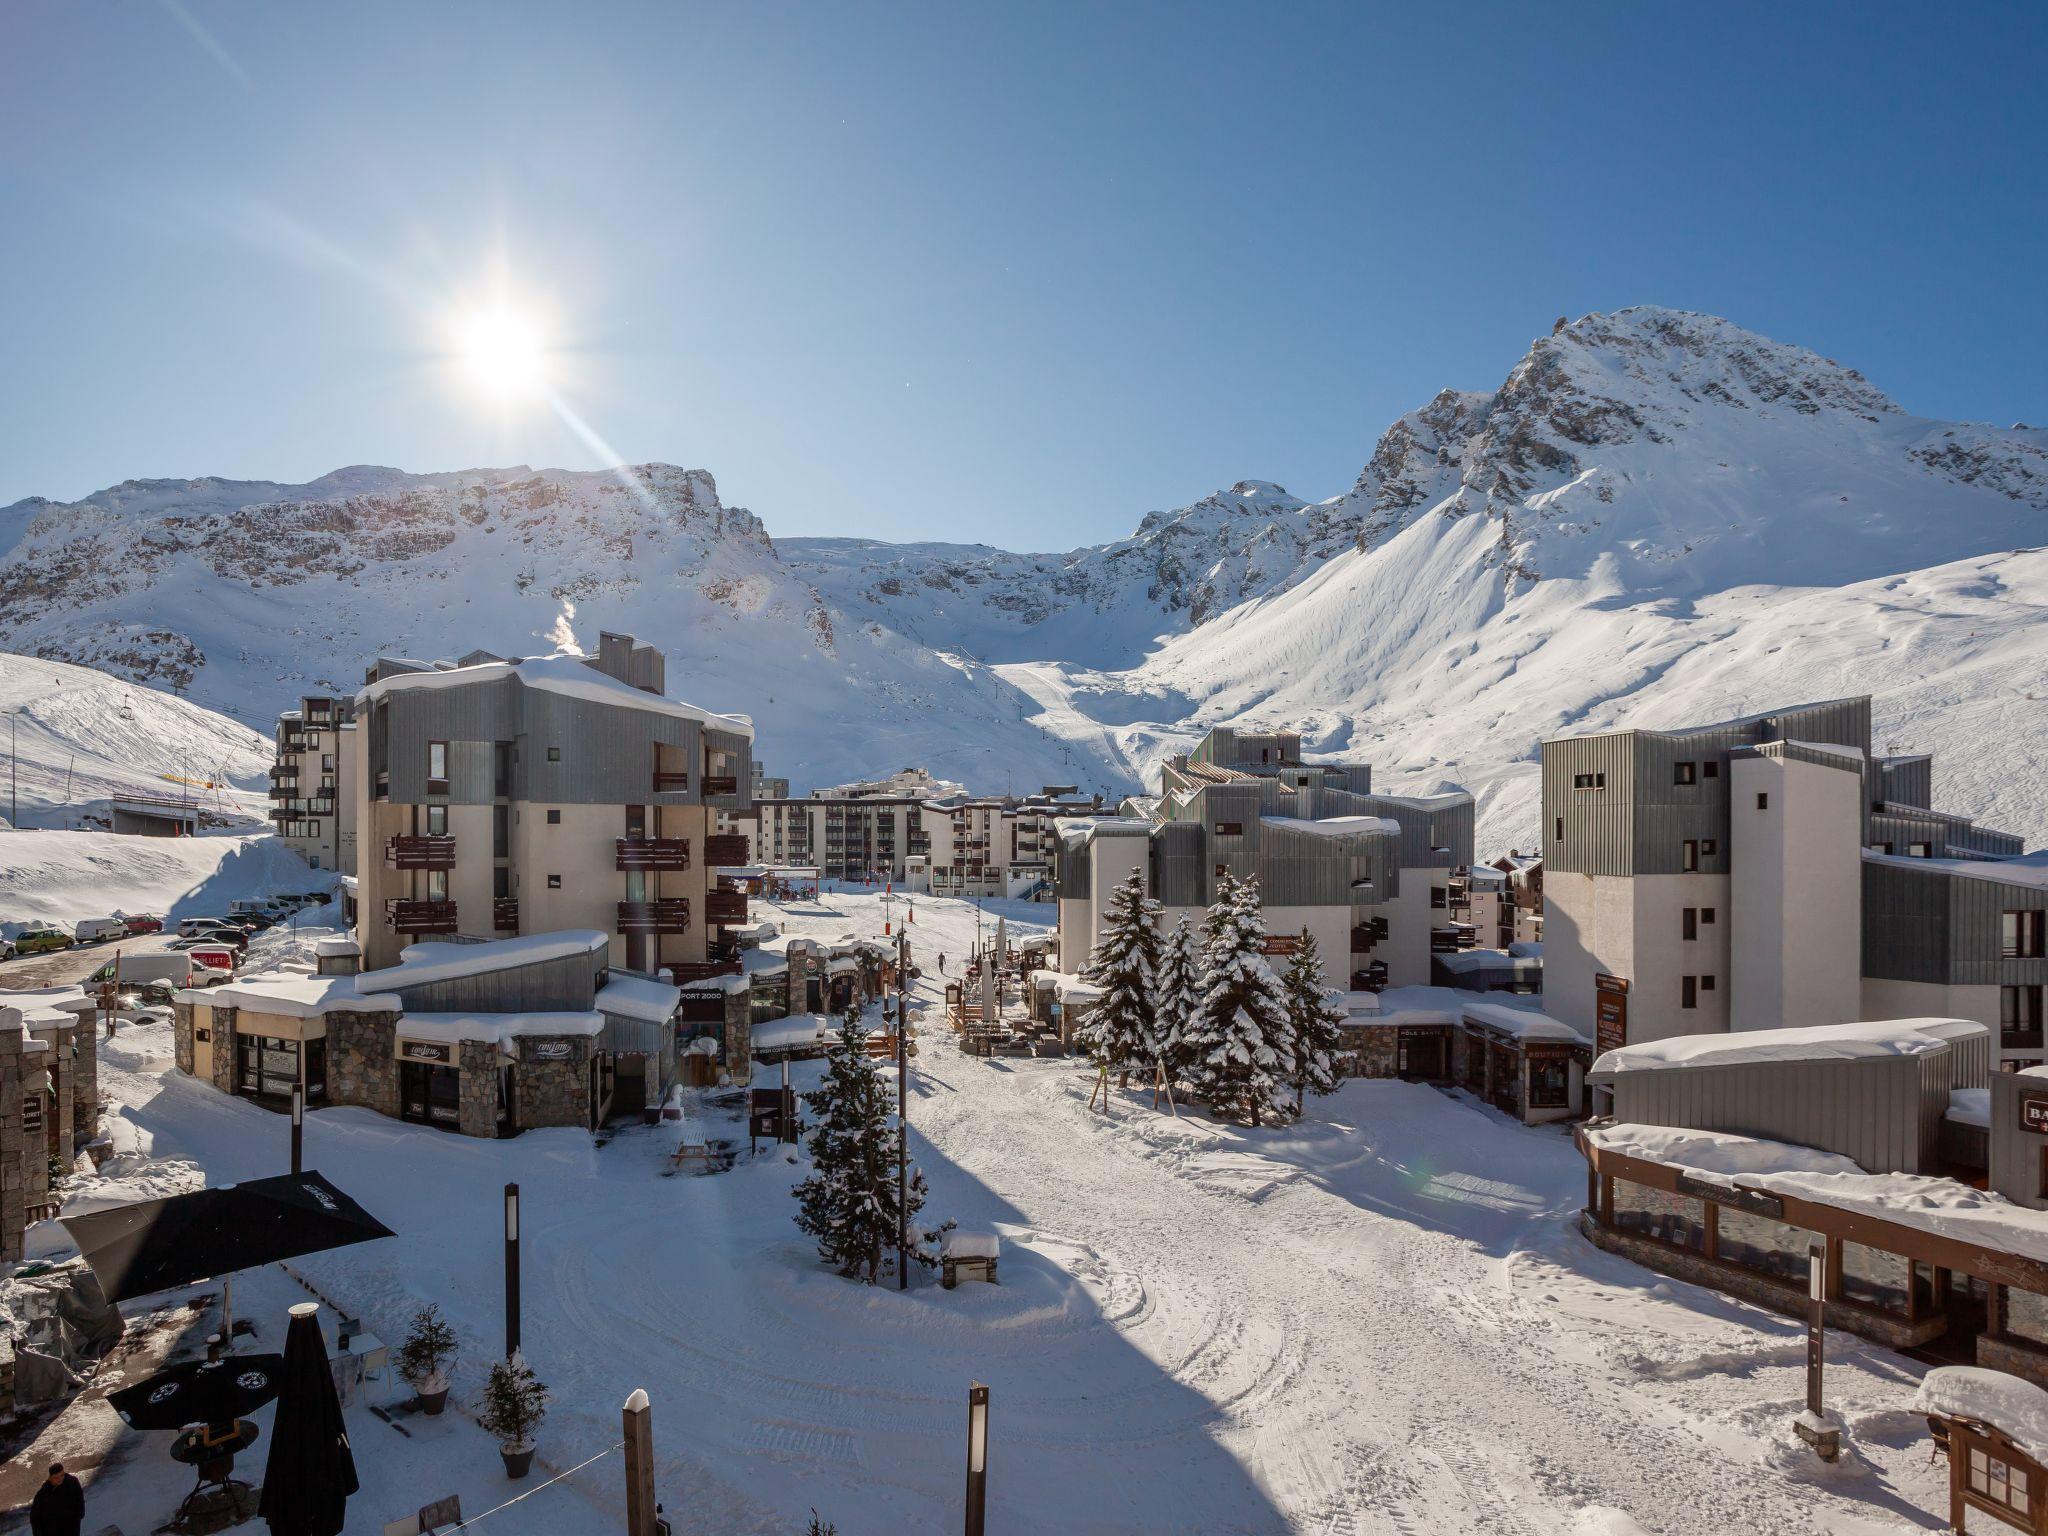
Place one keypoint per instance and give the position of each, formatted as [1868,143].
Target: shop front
[429,1084]
[268,1067]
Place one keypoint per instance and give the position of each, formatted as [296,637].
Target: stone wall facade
[739,1036]
[18,1155]
[85,1082]
[550,1092]
[478,1107]
[362,1061]
[1370,1050]
[181,1037]
[2013,1358]
[224,1050]
[63,1078]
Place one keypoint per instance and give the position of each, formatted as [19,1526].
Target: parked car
[142,922]
[135,973]
[97,930]
[219,958]
[6,949]
[193,927]
[235,938]
[40,941]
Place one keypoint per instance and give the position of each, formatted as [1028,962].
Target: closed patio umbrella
[200,1392]
[311,1471]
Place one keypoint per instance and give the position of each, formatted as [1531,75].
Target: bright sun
[502,350]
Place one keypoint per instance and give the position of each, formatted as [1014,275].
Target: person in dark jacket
[59,1507]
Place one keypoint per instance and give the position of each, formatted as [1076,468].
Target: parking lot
[75,963]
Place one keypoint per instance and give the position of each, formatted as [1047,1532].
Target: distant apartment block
[1368,874]
[498,796]
[312,792]
[1770,872]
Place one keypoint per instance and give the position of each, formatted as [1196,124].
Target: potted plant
[514,1404]
[426,1357]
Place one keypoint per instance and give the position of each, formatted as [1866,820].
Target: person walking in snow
[942,962]
[59,1505]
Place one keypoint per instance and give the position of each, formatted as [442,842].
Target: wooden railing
[409,852]
[420,916]
[671,914]
[505,914]
[724,849]
[721,784]
[725,906]
[653,853]
[669,781]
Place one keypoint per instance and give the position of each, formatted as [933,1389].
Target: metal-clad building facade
[1937,925]
[565,984]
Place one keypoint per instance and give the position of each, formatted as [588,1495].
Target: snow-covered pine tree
[1125,965]
[1177,999]
[848,1203]
[1313,1020]
[1240,1039]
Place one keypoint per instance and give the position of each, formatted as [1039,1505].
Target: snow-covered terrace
[1821,1042]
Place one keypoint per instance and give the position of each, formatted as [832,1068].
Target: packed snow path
[1381,1320]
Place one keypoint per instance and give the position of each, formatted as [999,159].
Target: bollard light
[977,1456]
[511,1270]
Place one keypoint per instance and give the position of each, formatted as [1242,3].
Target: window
[1710,769]
[327,763]
[2019,1017]
[312,829]
[554,816]
[437,821]
[1550,1082]
[1438,897]
[1709,847]
[1589,781]
[1706,914]
[1689,856]
[1689,923]
[1222,870]
[1763,801]
[1684,773]
[1706,983]
[1559,834]
[437,885]
[501,831]
[437,767]
[554,882]
[1760,1243]
[2022,934]
[1875,1278]
[1230,829]
[1654,1213]
[1999,1482]
[501,882]
[554,754]
[501,769]
[1919,850]
[636,821]
[1688,992]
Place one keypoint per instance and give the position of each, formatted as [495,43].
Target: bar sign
[2034,1112]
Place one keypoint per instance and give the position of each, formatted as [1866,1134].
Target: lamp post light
[902,1111]
[977,1457]
[511,1270]
[298,1126]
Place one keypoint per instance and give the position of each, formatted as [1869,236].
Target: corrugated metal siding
[1307,869]
[1909,780]
[1905,923]
[1976,912]
[1070,869]
[1180,871]
[625,1036]
[1599,824]
[564,985]
[2016,1153]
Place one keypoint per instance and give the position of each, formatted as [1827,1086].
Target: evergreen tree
[1177,997]
[1240,1037]
[1312,1022]
[1125,964]
[848,1203]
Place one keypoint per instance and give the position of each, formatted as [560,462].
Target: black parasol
[311,1471]
[200,1392]
[156,1245]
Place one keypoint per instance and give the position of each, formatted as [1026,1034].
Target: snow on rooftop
[561,673]
[419,963]
[1822,1042]
[336,949]
[1336,826]
[1525,1023]
[1458,962]
[1421,1005]
[1433,802]
[2024,869]
[496,1028]
[1832,748]
[793,1033]
[1970,1106]
[635,997]
[1715,1152]
[2012,1403]
[291,995]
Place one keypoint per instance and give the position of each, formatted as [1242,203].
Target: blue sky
[967,271]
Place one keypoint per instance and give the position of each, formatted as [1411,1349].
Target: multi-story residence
[1369,875]
[1483,901]
[498,797]
[1525,893]
[866,830]
[1747,875]
[312,792]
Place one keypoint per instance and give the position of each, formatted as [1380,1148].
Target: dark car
[222,933]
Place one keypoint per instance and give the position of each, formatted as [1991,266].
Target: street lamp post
[977,1457]
[511,1270]
[902,1110]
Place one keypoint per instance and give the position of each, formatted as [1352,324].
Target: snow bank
[1715,1152]
[60,878]
[793,1033]
[418,963]
[1823,1042]
[1971,1392]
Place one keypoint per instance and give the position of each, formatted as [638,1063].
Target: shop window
[2022,935]
[1684,773]
[1655,1213]
[1759,1243]
[1873,1278]
[1550,1082]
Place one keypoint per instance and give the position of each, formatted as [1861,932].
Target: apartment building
[1741,876]
[312,789]
[1369,875]
[502,796]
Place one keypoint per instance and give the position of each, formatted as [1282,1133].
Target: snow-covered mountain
[1657,516]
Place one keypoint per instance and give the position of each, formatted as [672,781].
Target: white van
[170,971]
[97,930]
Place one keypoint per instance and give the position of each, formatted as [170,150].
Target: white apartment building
[312,785]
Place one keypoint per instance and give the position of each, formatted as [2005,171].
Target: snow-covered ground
[61,877]
[1381,1319]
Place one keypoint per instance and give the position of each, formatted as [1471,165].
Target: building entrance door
[429,1094]
[1420,1055]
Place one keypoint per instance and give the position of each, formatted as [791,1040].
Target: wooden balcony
[284,773]
[653,853]
[505,914]
[725,906]
[420,852]
[720,784]
[666,783]
[671,914]
[1366,934]
[420,916]
[725,849]
[700,970]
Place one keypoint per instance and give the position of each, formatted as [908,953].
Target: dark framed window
[1589,781]
[1709,847]
[1711,769]
[554,816]
[1688,991]
[1439,897]
[501,882]
[1706,983]
[1763,801]
[437,885]
[554,882]
[1689,856]
[1550,1082]
[437,767]
[2022,935]
[1919,850]
[501,831]
[2019,1008]
[1222,870]
[1689,923]
[1560,830]
[437,821]
[1706,914]
[1685,773]
[554,754]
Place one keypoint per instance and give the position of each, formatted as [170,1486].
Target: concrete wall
[1633,928]
[1795,924]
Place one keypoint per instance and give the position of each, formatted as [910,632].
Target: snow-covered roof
[970,1245]
[1461,961]
[560,673]
[496,1028]
[291,995]
[799,1029]
[721,983]
[336,949]
[2029,869]
[420,963]
[1525,1023]
[635,997]
[71,999]
[1336,826]
[1832,748]
[2008,1402]
[1820,1042]
[1715,1152]
[1435,802]
[1421,1005]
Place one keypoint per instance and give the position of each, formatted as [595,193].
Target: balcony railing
[1368,933]
[725,849]
[725,906]
[701,970]
[285,791]
[281,773]
[505,914]
[670,781]
[653,853]
[2019,1039]
[721,784]
[420,916]
[671,914]
[1371,978]
[420,853]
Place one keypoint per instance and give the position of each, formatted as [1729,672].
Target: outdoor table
[363,1355]
[212,1456]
